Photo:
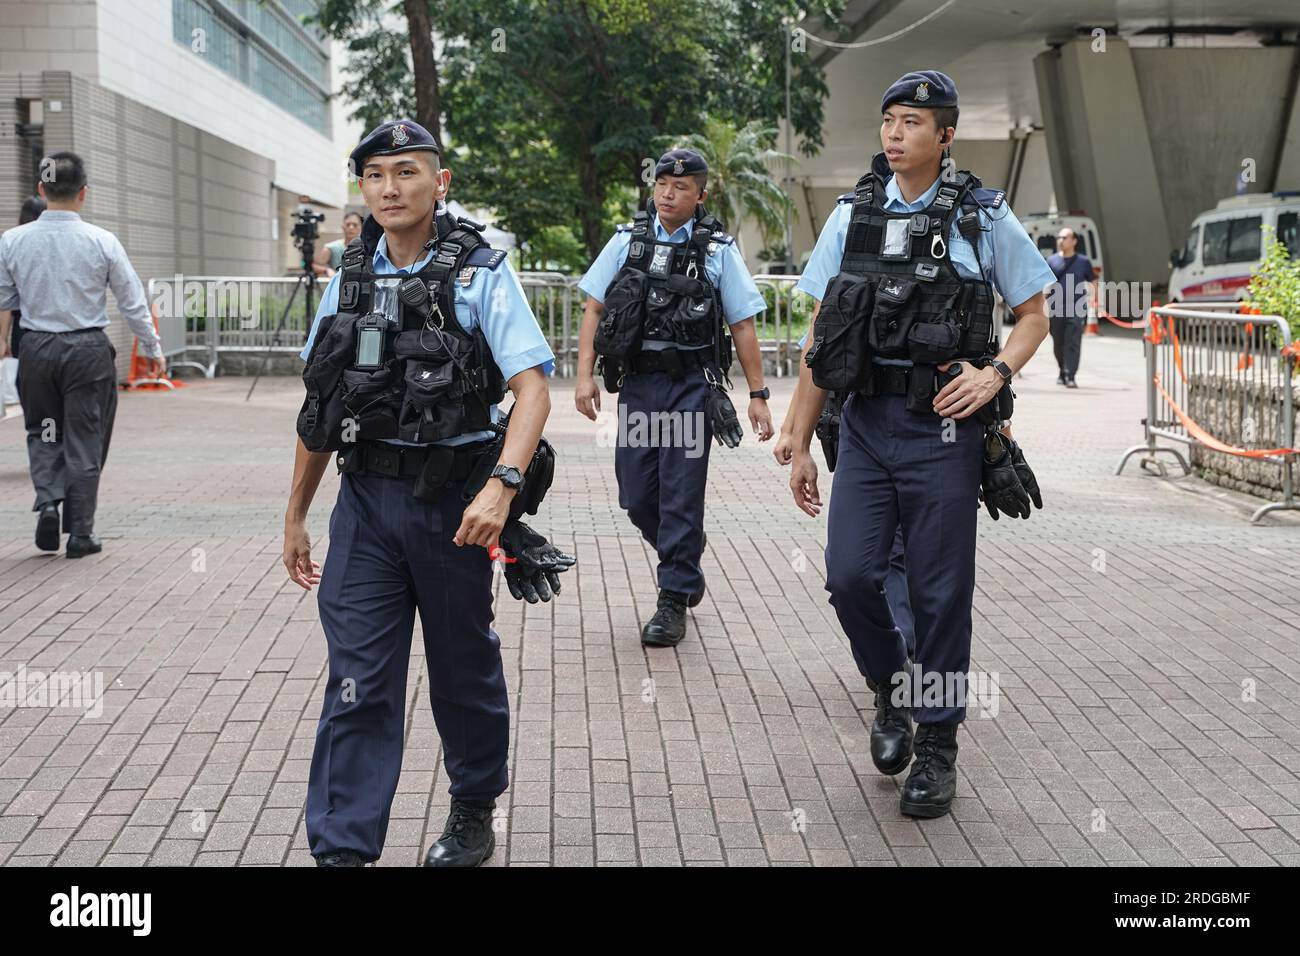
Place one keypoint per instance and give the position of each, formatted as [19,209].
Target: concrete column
[1100,151]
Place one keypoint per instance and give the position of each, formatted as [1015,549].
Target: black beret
[395,136]
[681,162]
[928,88]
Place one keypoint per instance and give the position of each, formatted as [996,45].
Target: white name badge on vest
[898,240]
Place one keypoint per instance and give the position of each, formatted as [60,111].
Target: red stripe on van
[1215,288]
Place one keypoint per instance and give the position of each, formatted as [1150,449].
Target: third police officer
[904,273]
[662,297]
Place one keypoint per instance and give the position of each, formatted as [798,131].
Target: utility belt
[434,467]
[920,383]
[676,362]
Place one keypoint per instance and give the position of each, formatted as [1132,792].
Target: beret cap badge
[399,136]
[922,92]
[678,168]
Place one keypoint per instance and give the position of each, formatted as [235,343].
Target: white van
[1224,246]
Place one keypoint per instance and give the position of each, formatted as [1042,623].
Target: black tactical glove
[533,565]
[722,417]
[1000,486]
[1026,475]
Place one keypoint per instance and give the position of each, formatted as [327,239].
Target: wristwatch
[1003,369]
[510,476]
[763,393]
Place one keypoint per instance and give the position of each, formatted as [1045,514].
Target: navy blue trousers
[900,603]
[899,468]
[390,555]
[662,465]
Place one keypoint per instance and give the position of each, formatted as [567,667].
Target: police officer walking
[661,298]
[903,274]
[414,343]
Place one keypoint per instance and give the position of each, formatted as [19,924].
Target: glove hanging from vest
[722,417]
[1026,475]
[1000,486]
[533,564]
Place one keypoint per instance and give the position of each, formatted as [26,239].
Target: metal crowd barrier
[204,316]
[201,317]
[1210,349]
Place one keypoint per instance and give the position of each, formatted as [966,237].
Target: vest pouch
[660,313]
[372,401]
[695,320]
[430,407]
[320,419]
[618,334]
[929,343]
[895,308]
[840,356]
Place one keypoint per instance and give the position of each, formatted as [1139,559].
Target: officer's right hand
[803,484]
[587,396]
[303,571]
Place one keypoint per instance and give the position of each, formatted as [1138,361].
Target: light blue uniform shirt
[1011,261]
[725,269]
[494,301]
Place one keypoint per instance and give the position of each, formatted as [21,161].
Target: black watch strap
[763,393]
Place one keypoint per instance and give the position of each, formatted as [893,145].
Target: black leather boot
[47,528]
[932,784]
[80,545]
[668,626]
[340,858]
[467,839]
[891,733]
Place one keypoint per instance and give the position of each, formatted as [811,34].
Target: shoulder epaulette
[486,256]
[989,198]
[724,238]
[847,197]
[623,227]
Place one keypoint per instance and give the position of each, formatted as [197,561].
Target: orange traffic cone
[138,377]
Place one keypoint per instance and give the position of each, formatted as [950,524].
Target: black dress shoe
[891,733]
[668,626]
[341,858]
[1060,379]
[80,545]
[1071,383]
[932,784]
[47,528]
[467,839]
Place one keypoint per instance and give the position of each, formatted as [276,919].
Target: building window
[265,47]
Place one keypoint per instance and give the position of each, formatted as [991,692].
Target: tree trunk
[428,96]
[589,213]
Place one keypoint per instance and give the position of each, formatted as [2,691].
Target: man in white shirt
[56,270]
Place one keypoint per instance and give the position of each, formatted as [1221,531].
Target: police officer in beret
[416,340]
[903,275]
[666,299]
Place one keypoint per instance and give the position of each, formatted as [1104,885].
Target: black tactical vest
[394,362]
[663,291]
[898,294]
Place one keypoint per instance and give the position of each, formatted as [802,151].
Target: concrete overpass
[1142,132]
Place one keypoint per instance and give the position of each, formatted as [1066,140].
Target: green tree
[550,105]
[741,184]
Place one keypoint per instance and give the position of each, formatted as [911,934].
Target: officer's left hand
[968,392]
[485,516]
[760,417]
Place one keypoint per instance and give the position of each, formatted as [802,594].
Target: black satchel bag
[840,357]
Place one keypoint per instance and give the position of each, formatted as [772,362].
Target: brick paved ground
[1122,622]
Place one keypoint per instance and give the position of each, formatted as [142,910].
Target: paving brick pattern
[1143,634]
